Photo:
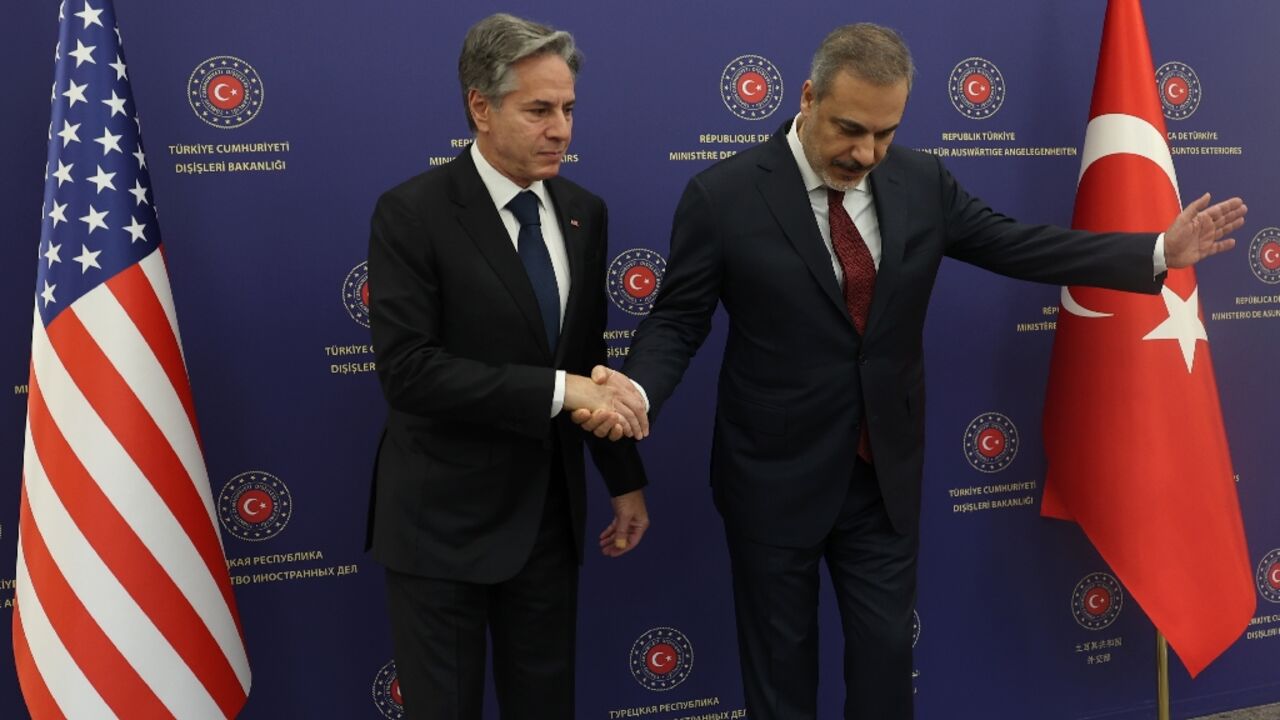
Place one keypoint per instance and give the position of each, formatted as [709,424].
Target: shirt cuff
[557,395]
[644,395]
[1157,257]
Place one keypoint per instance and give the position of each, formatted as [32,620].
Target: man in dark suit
[823,244]
[488,311]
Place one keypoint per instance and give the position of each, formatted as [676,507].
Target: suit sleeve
[978,235]
[618,462]
[418,375]
[681,317]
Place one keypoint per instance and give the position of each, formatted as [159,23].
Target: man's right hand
[606,404]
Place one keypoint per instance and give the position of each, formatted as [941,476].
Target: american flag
[124,604]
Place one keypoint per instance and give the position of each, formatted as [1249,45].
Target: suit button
[862,359]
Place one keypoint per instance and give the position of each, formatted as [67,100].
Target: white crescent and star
[1270,255]
[1095,601]
[246,506]
[658,661]
[745,87]
[218,87]
[988,443]
[633,284]
[1275,576]
[1174,91]
[969,88]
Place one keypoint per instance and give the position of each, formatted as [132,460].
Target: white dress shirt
[503,190]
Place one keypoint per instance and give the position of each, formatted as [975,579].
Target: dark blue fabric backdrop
[265,263]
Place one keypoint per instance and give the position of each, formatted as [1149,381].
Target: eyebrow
[857,127]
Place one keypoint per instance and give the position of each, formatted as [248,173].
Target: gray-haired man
[488,311]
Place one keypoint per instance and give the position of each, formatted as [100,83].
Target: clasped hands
[607,404]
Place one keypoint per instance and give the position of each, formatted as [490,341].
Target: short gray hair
[874,53]
[499,41]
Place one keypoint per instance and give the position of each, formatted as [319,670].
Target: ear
[479,106]
[806,97]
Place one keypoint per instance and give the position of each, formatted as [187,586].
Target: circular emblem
[1096,601]
[751,87]
[1179,88]
[991,442]
[355,293]
[1269,576]
[976,88]
[634,278]
[915,627]
[255,506]
[386,693]
[661,658]
[225,91]
[1264,255]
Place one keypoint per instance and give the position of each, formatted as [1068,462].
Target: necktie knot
[835,197]
[525,207]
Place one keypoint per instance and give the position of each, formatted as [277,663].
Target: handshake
[607,404]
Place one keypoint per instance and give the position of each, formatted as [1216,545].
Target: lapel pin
[573,222]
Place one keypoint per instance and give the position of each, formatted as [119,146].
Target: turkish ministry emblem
[1096,601]
[990,442]
[633,280]
[386,692]
[661,658]
[1268,576]
[1264,255]
[355,293]
[255,506]
[751,87]
[976,88]
[225,91]
[1180,90]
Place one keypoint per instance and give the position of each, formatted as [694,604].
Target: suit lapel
[891,213]
[783,189]
[480,219]
[569,215]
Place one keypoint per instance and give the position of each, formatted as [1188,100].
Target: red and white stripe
[124,602]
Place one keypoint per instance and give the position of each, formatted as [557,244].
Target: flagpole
[1162,677]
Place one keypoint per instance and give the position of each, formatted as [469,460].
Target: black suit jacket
[796,375]
[469,448]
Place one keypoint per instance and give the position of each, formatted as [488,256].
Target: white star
[58,213]
[1183,324]
[57,51]
[90,16]
[95,220]
[87,259]
[102,180]
[64,172]
[116,104]
[136,230]
[109,142]
[68,133]
[142,158]
[52,253]
[139,193]
[83,54]
[121,72]
[47,295]
[75,92]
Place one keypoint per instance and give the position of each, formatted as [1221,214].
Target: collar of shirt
[811,179]
[501,188]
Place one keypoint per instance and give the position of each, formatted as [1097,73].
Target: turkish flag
[1133,431]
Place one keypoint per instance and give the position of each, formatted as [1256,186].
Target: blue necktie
[537,262]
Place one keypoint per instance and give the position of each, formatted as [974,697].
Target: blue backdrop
[266,225]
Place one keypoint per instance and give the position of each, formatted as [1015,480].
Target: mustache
[851,166]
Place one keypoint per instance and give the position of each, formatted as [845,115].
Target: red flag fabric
[124,603]
[1133,430]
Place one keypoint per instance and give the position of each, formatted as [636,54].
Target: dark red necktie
[859,279]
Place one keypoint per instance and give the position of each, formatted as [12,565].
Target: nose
[863,151]
[560,125]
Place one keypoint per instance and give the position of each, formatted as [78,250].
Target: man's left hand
[630,520]
[1198,231]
